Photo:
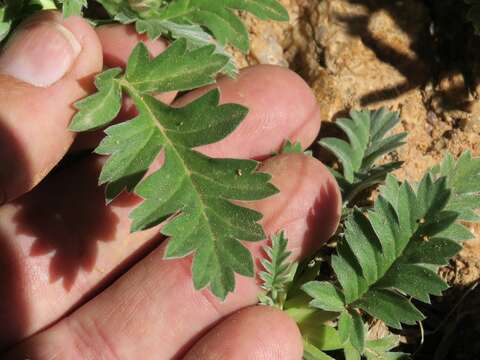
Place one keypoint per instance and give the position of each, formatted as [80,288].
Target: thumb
[47,65]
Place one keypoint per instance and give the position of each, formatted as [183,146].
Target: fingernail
[40,53]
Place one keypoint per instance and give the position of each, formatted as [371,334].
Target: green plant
[278,272]
[14,11]
[191,186]
[367,134]
[387,254]
[190,191]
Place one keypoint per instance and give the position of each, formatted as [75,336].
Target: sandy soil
[374,53]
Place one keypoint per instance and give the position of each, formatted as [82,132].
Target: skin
[78,285]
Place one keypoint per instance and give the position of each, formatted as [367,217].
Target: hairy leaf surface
[195,35]
[192,191]
[368,141]
[200,22]
[277,272]
[393,250]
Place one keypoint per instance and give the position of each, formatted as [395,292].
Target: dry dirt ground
[373,53]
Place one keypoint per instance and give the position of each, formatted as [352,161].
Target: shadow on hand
[67,216]
[14,316]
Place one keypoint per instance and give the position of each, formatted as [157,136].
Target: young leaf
[394,249]
[193,191]
[277,272]
[366,131]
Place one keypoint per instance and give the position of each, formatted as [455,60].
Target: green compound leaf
[191,192]
[277,272]
[200,22]
[368,141]
[393,250]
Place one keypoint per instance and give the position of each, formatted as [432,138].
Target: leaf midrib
[371,286]
[138,98]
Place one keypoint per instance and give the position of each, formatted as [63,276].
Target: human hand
[75,283]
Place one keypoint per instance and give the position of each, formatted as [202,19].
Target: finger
[157,296]
[255,333]
[308,208]
[46,66]
[83,245]
[118,42]
[281,107]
